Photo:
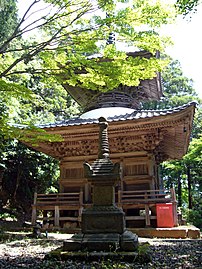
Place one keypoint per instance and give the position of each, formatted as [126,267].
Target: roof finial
[111,38]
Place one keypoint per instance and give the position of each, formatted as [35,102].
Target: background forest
[31,93]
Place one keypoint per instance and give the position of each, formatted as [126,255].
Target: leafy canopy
[69,31]
[186,7]
[54,41]
[88,63]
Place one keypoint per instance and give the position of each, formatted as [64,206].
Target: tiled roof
[137,114]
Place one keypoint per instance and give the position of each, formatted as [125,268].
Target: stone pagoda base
[88,256]
[108,242]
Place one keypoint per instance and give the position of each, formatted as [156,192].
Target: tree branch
[33,50]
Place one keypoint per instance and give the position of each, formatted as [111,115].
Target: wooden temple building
[139,140]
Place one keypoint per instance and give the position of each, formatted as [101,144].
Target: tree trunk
[1,178]
[179,191]
[19,173]
[189,187]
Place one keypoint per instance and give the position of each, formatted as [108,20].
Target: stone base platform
[182,232]
[60,254]
[110,242]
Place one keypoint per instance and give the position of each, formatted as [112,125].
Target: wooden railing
[141,199]
[144,197]
[55,203]
[74,198]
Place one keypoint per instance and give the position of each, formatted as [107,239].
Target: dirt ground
[21,251]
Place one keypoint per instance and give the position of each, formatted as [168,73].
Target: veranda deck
[67,207]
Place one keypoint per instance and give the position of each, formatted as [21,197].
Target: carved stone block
[103,220]
[129,241]
[98,242]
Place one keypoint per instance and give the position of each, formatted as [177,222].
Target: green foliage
[8,18]
[194,154]
[53,103]
[194,216]
[51,189]
[14,90]
[17,110]
[76,35]
[27,171]
[175,171]
[135,26]
[187,6]
[7,216]
[143,249]
[177,89]
[107,75]
[32,69]
[28,99]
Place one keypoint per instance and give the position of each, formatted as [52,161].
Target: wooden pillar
[34,211]
[35,198]
[57,216]
[150,164]
[174,206]
[33,215]
[87,192]
[61,188]
[45,217]
[159,177]
[80,204]
[81,197]
[147,217]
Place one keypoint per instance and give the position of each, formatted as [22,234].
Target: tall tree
[193,163]
[17,105]
[177,88]
[185,174]
[68,32]
[26,171]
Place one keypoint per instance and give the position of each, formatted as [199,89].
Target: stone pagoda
[103,224]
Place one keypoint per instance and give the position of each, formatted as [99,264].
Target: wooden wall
[137,173]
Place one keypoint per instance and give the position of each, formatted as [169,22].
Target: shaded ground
[24,252]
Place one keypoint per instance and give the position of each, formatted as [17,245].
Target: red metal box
[164,214]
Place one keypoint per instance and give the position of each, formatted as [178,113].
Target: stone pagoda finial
[103,152]
[103,166]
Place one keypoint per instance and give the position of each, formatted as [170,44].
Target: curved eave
[174,124]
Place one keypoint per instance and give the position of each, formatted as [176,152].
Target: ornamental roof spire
[111,38]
